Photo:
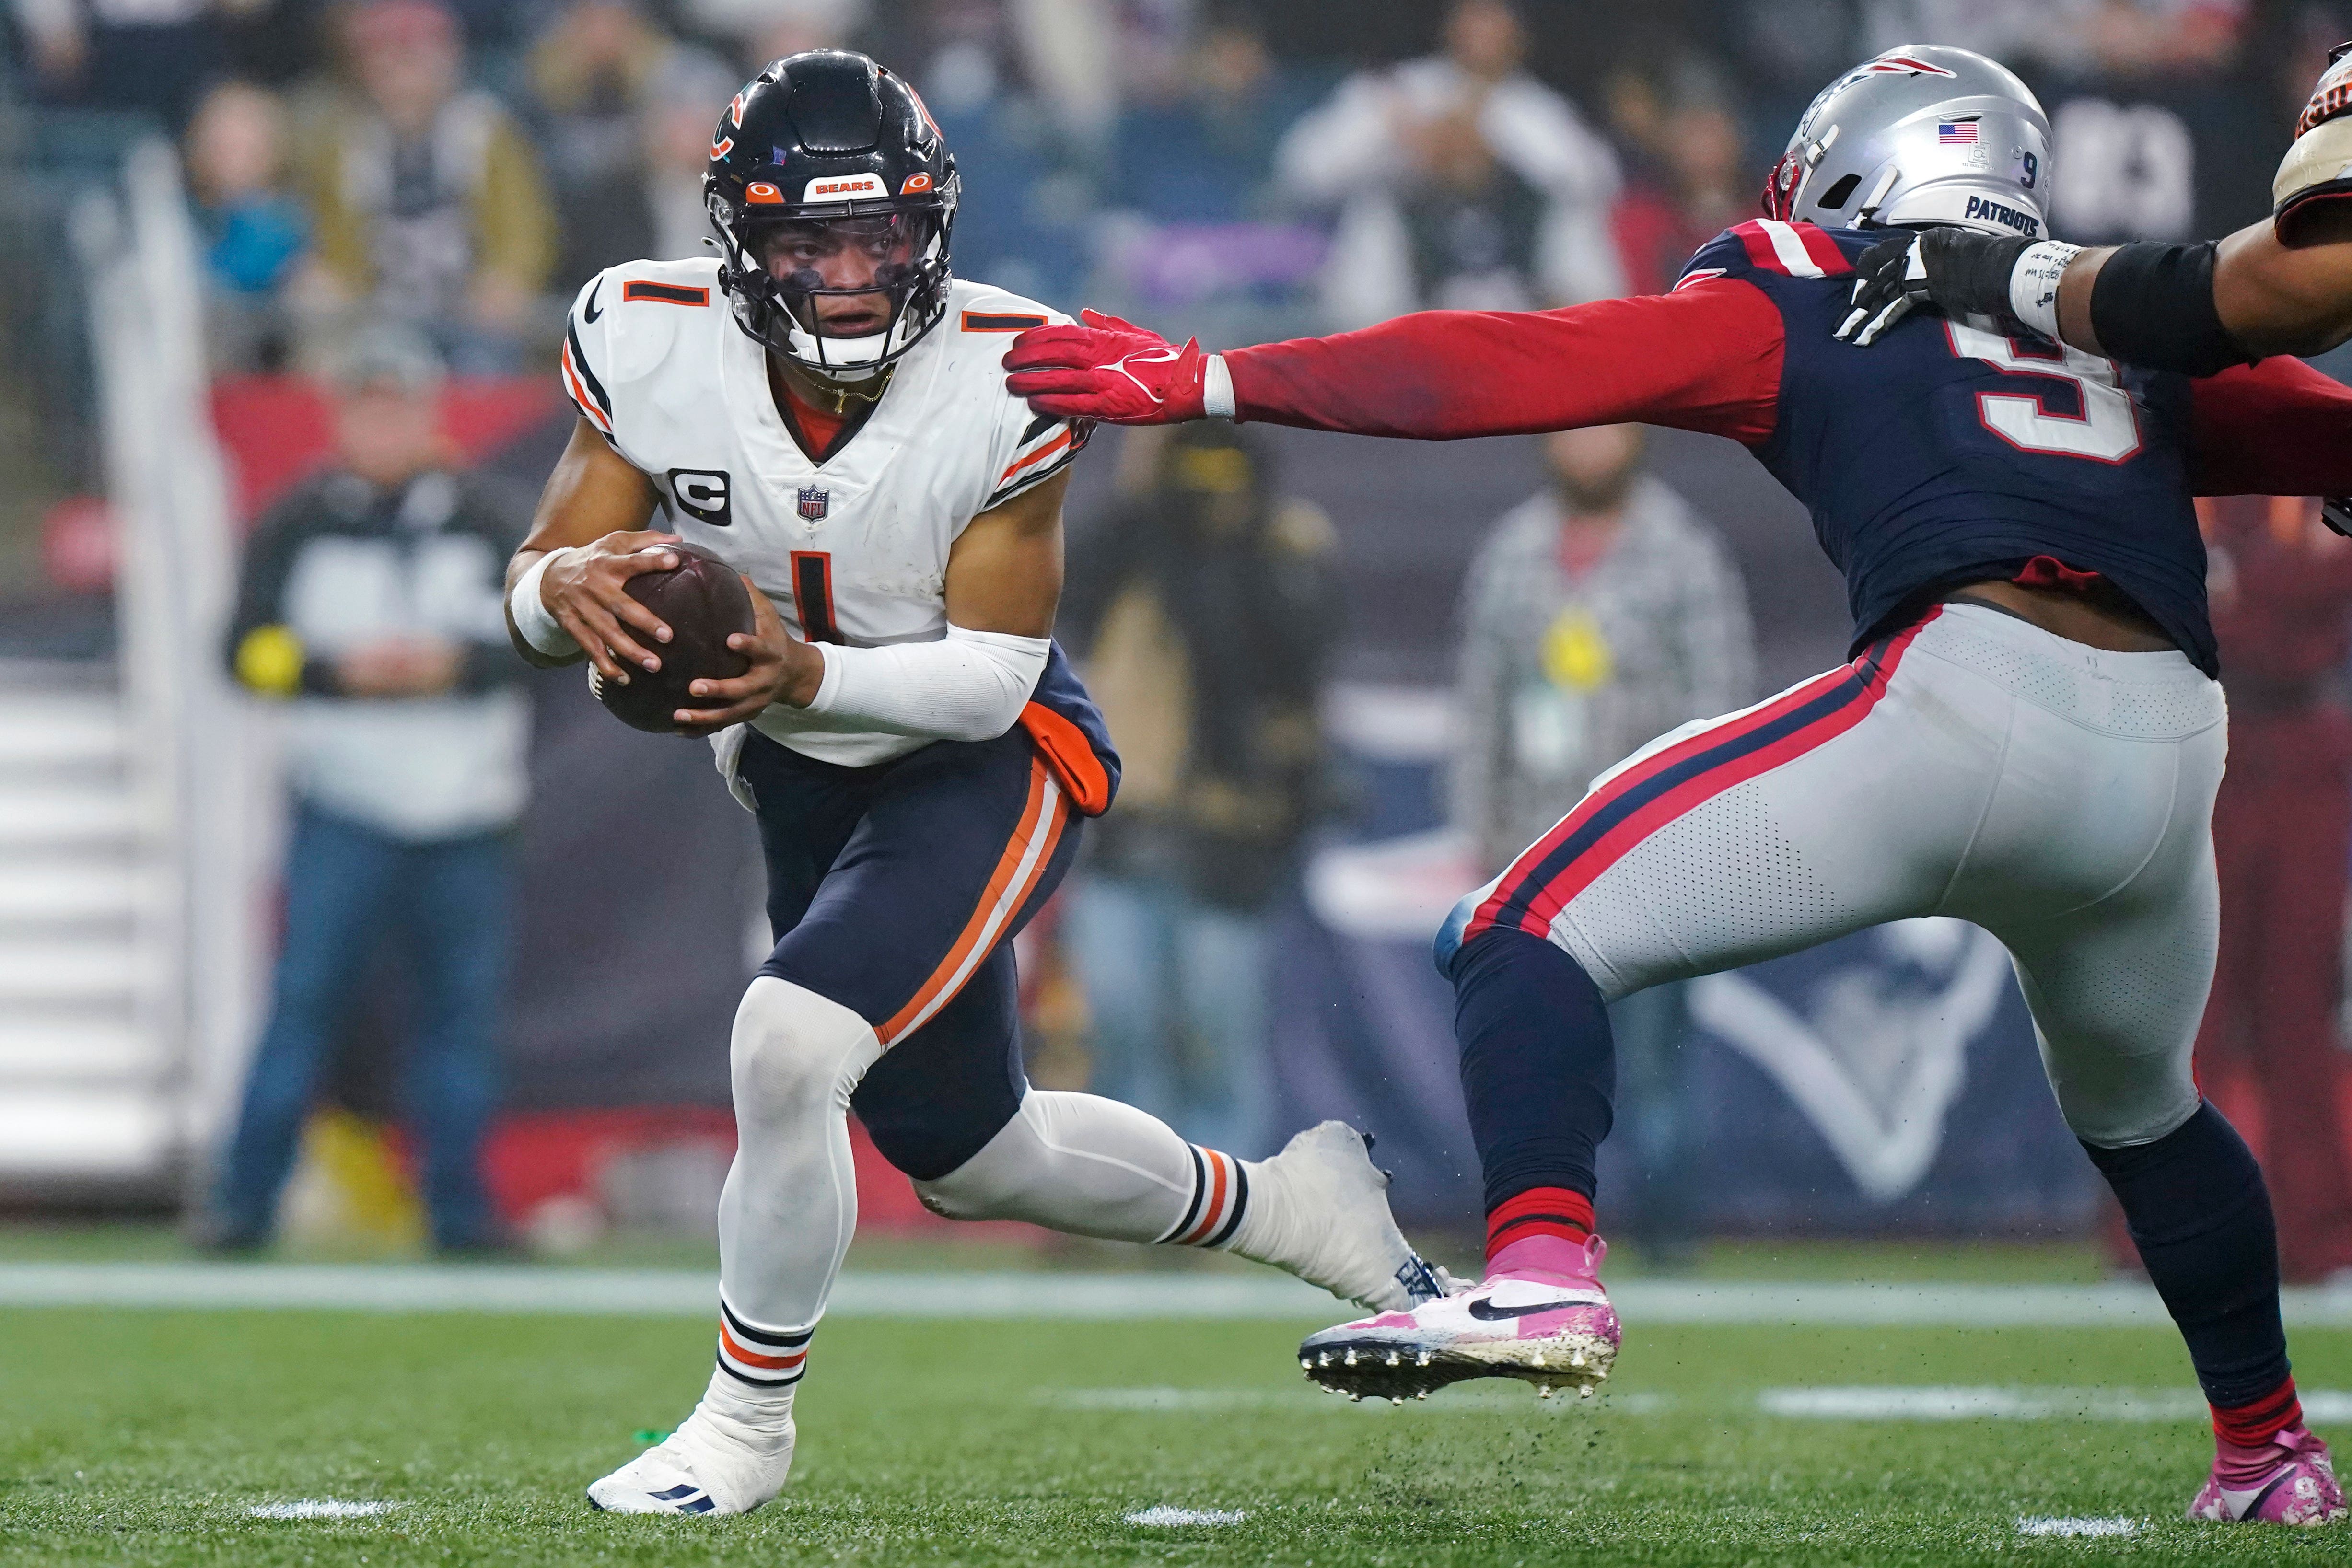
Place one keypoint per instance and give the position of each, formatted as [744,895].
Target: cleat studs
[1354,1397]
[1421,1393]
[1323,1360]
[1585,1391]
[1350,1359]
[1601,1375]
[1423,1360]
[1394,1359]
[1306,1363]
[1543,1390]
[1397,1400]
[1576,1358]
[1538,1359]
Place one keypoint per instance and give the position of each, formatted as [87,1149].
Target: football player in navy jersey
[2027,737]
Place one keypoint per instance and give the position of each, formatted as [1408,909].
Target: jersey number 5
[2107,430]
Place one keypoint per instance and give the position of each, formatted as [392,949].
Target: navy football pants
[895,890]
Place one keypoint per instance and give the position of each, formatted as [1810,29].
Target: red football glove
[1107,370]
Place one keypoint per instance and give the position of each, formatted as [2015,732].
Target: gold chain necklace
[840,393]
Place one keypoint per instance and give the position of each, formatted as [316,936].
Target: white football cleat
[1321,1210]
[710,1465]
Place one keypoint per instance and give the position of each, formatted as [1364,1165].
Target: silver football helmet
[1922,134]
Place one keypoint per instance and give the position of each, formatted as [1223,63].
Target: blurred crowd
[451,171]
[1243,170]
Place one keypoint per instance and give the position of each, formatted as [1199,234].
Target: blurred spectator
[2002,28]
[1205,154]
[2282,592]
[1023,137]
[611,96]
[256,235]
[683,102]
[429,202]
[1211,606]
[1198,240]
[154,55]
[1459,179]
[759,31]
[1689,176]
[1599,615]
[2152,136]
[371,599]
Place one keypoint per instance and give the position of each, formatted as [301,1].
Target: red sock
[2252,1425]
[1539,1211]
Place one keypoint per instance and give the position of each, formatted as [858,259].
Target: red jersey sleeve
[1704,358]
[2273,428]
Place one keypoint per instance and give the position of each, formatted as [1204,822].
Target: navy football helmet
[824,156]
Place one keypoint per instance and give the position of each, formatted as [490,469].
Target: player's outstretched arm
[1003,583]
[2194,309]
[565,587]
[1706,358]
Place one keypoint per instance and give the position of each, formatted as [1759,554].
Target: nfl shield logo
[813,502]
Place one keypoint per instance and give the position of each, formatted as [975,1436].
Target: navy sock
[2200,1216]
[1538,1067]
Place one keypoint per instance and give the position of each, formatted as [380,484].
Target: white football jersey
[852,550]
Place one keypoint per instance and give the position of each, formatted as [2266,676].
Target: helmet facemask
[843,294]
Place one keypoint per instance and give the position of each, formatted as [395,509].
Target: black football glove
[1957,271]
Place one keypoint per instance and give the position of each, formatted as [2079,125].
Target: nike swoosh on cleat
[2255,1500]
[1487,1312]
[589,311]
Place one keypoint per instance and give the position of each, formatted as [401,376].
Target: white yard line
[320,1507]
[1165,1517]
[2106,1526]
[1269,1297]
[2018,1403]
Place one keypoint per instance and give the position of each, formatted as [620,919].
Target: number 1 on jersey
[2106,431]
[813,592]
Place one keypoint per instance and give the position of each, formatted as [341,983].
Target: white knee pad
[790,1205]
[1075,1162]
[793,1051]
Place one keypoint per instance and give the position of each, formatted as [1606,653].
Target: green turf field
[146,1436]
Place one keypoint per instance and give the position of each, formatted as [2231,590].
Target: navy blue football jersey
[1946,453]
[1942,455]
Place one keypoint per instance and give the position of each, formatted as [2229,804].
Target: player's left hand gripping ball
[1109,369]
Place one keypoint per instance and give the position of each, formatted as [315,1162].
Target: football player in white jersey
[820,406]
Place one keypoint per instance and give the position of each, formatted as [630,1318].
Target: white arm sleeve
[968,686]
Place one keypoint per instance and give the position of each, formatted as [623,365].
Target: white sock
[1092,1167]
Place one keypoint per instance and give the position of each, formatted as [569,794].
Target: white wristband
[2033,285]
[538,628]
[1217,388]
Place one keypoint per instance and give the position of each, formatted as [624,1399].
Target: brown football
[703,603]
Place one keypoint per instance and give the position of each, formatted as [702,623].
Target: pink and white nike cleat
[2291,1480]
[1539,1314]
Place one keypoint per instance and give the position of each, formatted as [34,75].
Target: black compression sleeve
[2153,305]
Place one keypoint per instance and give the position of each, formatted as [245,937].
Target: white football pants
[1975,766]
